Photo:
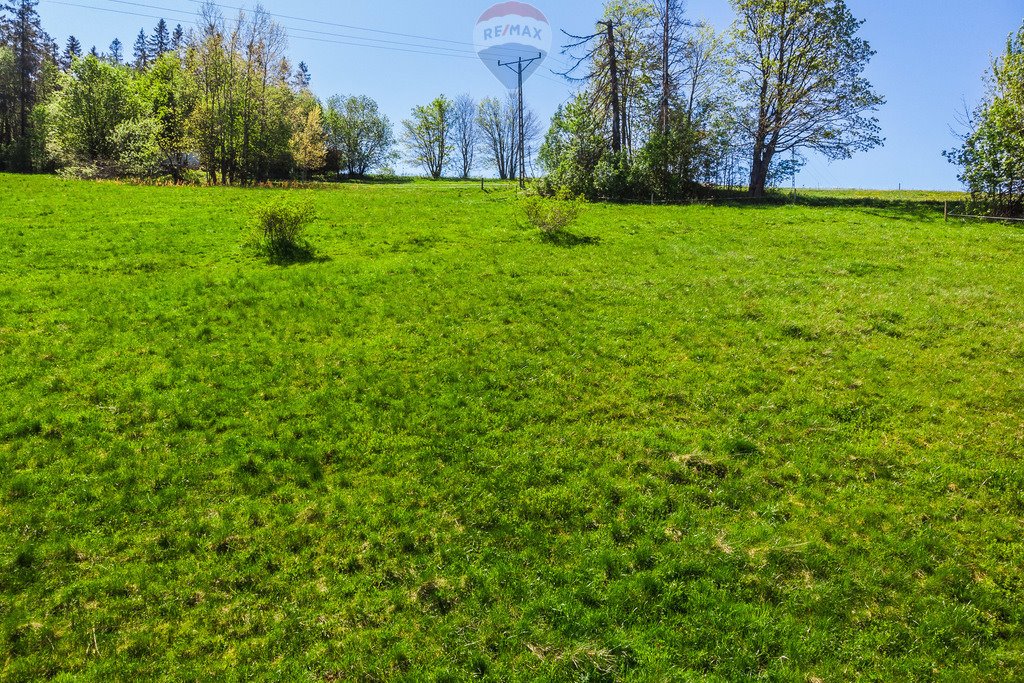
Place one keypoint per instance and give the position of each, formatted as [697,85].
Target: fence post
[945,211]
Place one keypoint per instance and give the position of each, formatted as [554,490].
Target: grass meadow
[696,443]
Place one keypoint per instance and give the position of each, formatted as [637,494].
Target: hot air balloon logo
[509,32]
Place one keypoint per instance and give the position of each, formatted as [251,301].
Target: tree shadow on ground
[568,240]
[893,209]
[369,180]
[298,255]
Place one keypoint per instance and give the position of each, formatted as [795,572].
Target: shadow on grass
[891,208]
[299,261]
[370,180]
[296,255]
[568,240]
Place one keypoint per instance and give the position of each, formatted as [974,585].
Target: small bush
[552,216]
[278,228]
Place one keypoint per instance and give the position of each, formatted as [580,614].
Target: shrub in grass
[552,216]
[278,227]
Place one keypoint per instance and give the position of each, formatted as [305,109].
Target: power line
[393,46]
[337,25]
[328,33]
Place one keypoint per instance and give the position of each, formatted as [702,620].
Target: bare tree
[499,133]
[464,131]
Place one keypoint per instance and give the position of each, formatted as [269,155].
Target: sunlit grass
[777,442]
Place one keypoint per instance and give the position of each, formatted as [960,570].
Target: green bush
[551,216]
[278,227]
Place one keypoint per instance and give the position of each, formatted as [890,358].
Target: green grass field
[716,443]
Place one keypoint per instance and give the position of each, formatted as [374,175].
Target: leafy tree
[428,135]
[309,143]
[171,92]
[72,51]
[801,67]
[574,147]
[137,153]
[94,99]
[358,134]
[8,95]
[992,153]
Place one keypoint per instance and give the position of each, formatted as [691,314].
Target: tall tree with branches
[497,123]
[116,54]
[801,64]
[72,51]
[428,135]
[992,153]
[140,51]
[32,46]
[465,132]
[160,41]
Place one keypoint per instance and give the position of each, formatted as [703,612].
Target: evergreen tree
[178,38]
[141,51]
[302,77]
[31,47]
[72,51]
[116,51]
[160,41]
[94,52]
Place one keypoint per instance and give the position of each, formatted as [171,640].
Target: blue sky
[931,56]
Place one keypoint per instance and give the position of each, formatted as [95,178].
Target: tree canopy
[992,153]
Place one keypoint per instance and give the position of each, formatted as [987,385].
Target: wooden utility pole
[520,66]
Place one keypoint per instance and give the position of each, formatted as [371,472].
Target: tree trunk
[666,78]
[759,174]
[613,67]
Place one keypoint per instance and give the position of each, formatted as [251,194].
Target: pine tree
[94,52]
[141,53]
[116,51]
[160,41]
[72,51]
[32,47]
[178,38]
[302,77]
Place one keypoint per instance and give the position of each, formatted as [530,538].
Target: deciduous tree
[465,133]
[428,136]
[360,136]
[801,64]
[992,154]
[309,143]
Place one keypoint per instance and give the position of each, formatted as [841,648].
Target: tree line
[666,107]
[456,136]
[222,102]
[669,107]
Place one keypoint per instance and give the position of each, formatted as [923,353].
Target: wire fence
[948,214]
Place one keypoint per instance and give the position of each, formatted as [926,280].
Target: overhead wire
[397,46]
